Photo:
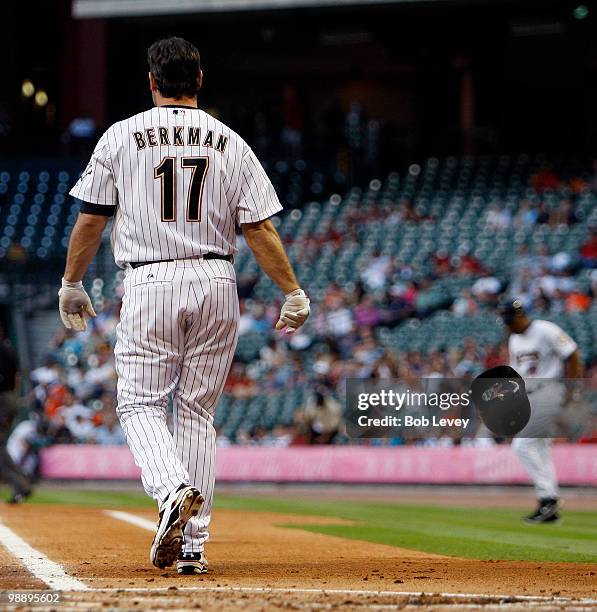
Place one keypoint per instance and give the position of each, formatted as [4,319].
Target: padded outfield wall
[576,464]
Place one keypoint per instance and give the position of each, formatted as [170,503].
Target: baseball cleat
[19,498]
[178,509]
[547,512]
[192,563]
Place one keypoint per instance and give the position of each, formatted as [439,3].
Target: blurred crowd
[73,393]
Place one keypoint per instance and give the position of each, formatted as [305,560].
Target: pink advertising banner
[576,464]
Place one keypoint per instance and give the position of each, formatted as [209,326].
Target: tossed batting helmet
[500,396]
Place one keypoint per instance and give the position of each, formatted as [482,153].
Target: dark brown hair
[175,64]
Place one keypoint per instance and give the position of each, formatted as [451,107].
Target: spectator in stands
[323,418]
[541,304]
[465,304]
[471,356]
[564,214]
[106,321]
[261,322]
[466,263]
[222,440]
[486,289]
[238,384]
[101,373]
[495,355]
[281,436]
[588,250]
[554,280]
[545,178]
[57,394]
[57,432]
[376,272]
[367,313]
[48,373]
[81,428]
[243,438]
[407,211]
[498,218]
[386,366]
[589,435]
[366,351]
[105,403]
[437,365]
[77,417]
[542,214]
[406,293]
[441,261]
[273,354]
[338,319]
[400,303]
[17,254]
[245,323]
[537,261]
[253,318]
[526,217]
[245,284]
[524,260]
[110,431]
[577,301]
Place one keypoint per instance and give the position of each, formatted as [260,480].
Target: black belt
[138,264]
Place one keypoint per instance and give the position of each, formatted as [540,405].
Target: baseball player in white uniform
[177,182]
[542,353]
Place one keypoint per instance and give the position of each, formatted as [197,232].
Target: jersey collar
[177,106]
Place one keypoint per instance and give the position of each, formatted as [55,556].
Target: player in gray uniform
[543,353]
[10,472]
[177,182]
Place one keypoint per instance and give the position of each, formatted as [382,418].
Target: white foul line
[38,564]
[479,596]
[132,519]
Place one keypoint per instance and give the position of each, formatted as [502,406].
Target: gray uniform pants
[533,444]
[10,472]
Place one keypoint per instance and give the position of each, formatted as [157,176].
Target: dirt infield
[256,563]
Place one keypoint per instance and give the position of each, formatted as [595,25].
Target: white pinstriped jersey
[178,181]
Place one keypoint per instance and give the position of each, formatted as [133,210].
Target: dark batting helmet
[509,309]
[500,396]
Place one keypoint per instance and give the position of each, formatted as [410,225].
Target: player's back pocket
[222,280]
[152,275]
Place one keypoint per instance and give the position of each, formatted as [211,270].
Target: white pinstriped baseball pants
[177,335]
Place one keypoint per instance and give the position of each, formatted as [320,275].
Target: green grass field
[477,533]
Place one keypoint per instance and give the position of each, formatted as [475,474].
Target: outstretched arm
[82,247]
[264,241]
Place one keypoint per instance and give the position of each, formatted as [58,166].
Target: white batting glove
[73,303]
[295,311]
